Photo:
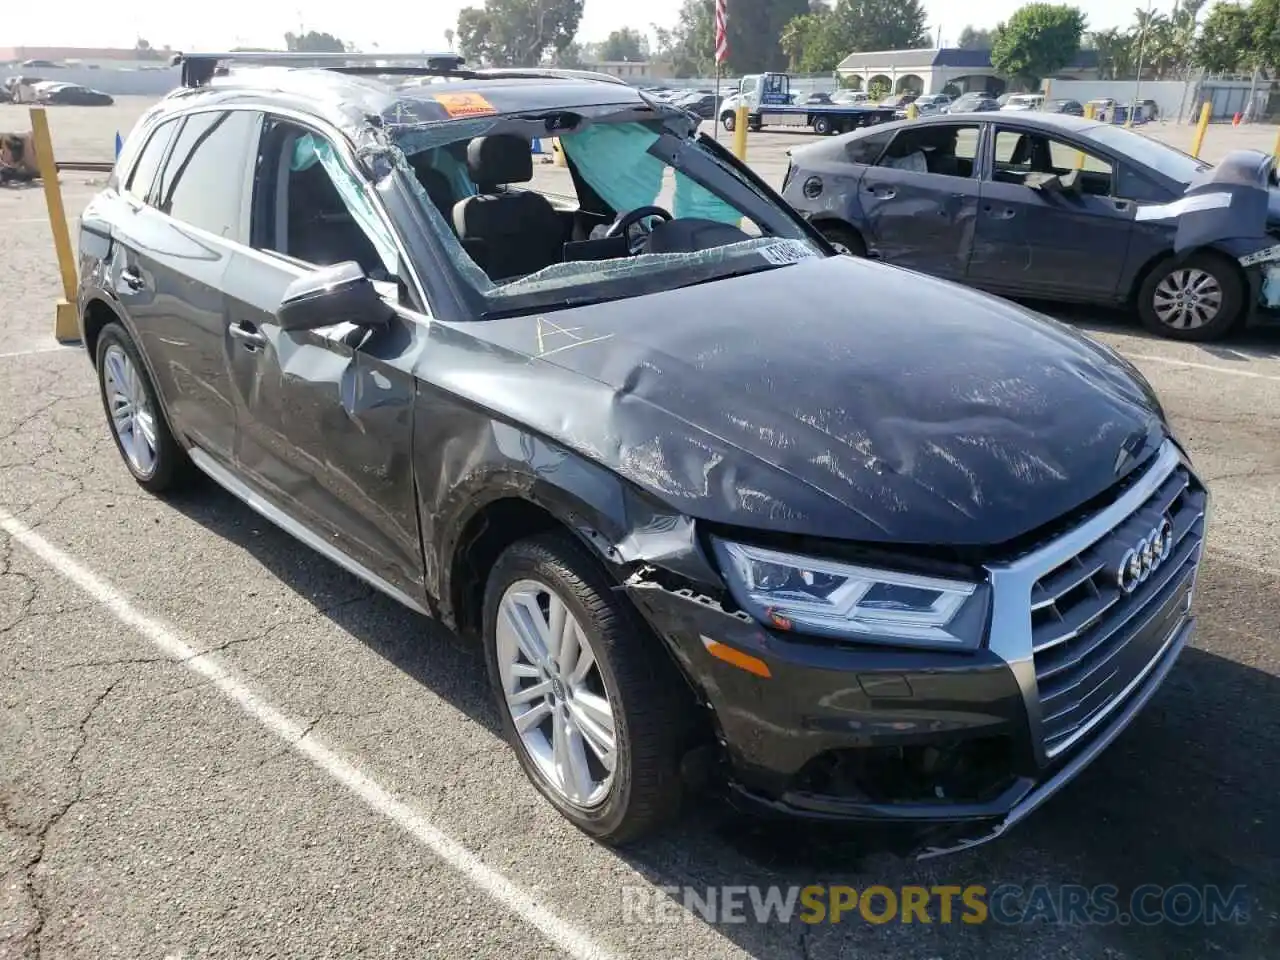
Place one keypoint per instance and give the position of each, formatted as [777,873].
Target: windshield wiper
[567,303]
[731,274]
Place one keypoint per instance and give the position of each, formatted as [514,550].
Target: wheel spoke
[527,626]
[586,660]
[571,759]
[570,647]
[532,717]
[557,618]
[529,693]
[599,739]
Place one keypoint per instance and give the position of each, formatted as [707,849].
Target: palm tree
[448,38]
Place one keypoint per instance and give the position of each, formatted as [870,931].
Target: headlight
[786,592]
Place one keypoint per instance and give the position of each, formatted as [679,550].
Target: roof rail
[199,68]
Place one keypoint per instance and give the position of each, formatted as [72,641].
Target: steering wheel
[625,221]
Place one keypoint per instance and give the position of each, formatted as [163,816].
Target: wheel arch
[1157,260]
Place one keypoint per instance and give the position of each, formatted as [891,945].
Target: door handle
[1006,213]
[132,279]
[883,193]
[252,339]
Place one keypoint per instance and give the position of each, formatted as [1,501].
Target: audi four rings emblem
[1142,559]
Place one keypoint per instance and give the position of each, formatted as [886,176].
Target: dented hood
[836,398]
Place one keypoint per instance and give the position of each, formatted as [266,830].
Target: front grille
[1091,640]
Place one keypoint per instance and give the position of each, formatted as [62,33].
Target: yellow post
[1201,127]
[65,327]
[1275,151]
[740,133]
[1048,90]
[912,110]
[557,153]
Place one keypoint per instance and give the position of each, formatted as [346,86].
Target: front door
[325,416]
[919,200]
[1039,240]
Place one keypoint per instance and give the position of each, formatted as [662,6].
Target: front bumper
[945,750]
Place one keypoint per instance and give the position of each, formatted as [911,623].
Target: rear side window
[867,149]
[144,171]
[203,182]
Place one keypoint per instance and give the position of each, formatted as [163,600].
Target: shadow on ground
[1186,796]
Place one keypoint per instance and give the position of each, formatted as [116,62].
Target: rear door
[920,199]
[1050,243]
[170,264]
[325,415]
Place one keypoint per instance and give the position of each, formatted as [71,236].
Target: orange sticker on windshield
[464,104]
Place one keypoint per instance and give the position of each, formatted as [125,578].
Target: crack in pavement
[31,940]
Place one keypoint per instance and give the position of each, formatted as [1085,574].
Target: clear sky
[399,27]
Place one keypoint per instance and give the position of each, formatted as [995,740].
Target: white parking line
[576,943]
[33,351]
[1203,366]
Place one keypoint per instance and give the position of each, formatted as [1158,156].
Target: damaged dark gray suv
[870,546]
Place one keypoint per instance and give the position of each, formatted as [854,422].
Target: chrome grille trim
[1026,588]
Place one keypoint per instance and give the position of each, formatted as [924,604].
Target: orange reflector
[743,661]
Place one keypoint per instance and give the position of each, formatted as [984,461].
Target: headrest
[499,158]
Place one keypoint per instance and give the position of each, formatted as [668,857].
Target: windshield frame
[680,146]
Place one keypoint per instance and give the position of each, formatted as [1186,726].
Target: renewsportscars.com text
[1009,904]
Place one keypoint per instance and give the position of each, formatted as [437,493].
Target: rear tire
[648,700]
[134,415]
[845,239]
[1198,299]
[822,126]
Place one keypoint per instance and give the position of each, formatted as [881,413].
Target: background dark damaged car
[1050,206]
[865,545]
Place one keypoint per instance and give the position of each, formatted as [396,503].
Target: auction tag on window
[784,252]
[464,104]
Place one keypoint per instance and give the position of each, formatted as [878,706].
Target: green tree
[972,38]
[1265,17]
[625,44]
[313,42]
[1038,40]
[517,33]
[1225,39]
[799,34]
[865,25]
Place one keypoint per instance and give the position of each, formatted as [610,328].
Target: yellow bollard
[557,153]
[65,326]
[1205,112]
[740,133]
[1275,152]
[912,110]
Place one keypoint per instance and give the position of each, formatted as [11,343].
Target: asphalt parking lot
[214,743]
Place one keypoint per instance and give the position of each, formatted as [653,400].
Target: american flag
[722,35]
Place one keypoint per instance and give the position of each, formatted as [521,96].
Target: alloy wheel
[555,693]
[132,418]
[1188,299]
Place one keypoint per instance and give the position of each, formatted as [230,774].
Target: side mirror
[342,293]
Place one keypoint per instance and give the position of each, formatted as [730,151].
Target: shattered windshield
[614,206]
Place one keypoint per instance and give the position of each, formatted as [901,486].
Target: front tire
[137,422]
[844,239]
[1199,298]
[593,706]
[822,126]
[728,121]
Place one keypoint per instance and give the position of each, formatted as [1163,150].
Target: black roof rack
[199,68]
